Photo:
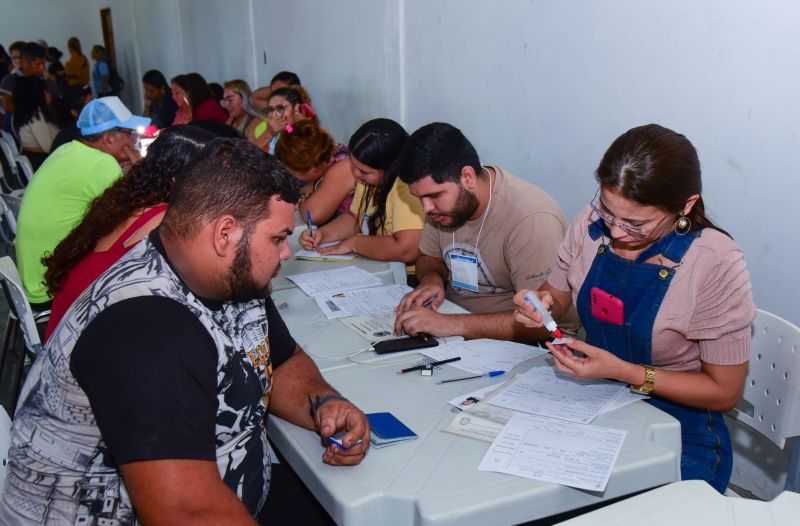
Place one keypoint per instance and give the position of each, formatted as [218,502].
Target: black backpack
[115,82]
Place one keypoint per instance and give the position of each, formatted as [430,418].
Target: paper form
[544,392]
[467,401]
[484,355]
[313,255]
[374,327]
[361,301]
[335,280]
[577,455]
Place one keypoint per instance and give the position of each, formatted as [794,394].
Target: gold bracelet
[649,381]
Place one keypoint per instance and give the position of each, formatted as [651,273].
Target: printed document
[484,355]
[577,455]
[543,391]
[361,301]
[373,327]
[335,280]
[313,255]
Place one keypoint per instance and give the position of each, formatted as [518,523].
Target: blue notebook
[386,429]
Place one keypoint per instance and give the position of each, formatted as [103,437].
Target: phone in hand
[606,307]
[408,343]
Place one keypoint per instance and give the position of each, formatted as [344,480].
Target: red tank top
[91,266]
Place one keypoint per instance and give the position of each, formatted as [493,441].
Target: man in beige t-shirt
[487,235]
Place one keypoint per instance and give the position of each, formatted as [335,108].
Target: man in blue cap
[70,178]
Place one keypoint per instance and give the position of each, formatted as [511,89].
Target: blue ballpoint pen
[490,374]
[309,222]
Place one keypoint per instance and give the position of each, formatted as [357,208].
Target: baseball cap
[105,113]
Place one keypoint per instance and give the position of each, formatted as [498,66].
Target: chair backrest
[9,206]
[27,168]
[10,157]
[5,443]
[771,401]
[9,139]
[18,302]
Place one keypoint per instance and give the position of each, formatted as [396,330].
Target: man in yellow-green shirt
[56,198]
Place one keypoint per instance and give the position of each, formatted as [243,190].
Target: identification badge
[464,271]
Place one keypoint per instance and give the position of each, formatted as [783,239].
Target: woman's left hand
[345,247]
[597,362]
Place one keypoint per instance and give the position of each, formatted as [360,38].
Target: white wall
[52,21]
[541,88]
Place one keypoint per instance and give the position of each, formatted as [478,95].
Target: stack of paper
[336,280]
[361,301]
[484,355]
[313,255]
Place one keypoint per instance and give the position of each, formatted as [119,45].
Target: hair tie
[289,129]
[308,110]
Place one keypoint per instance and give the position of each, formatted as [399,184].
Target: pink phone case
[606,307]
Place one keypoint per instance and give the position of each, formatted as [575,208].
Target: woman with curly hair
[312,156]
[119,218]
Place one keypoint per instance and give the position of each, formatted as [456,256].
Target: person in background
[119,218]
[7,83]
[217,91]
[384,221]
[6,65]
[154,390]
[663,294]
[282,79]
[195,101]
[101,72]
[76,69]
[323,166]
[55,69]
[488,234]
[286,106]
[56,198]
[67,118]
[158,104]
[237,99]
[34,123]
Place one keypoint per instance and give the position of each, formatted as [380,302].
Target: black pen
[424,365]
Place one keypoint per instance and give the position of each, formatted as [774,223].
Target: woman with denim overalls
[663,293]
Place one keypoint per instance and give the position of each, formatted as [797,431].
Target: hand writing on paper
[525,313]
[345,247]
[341,415]
[596,362]
[311,241]
[424,321]
[427,295]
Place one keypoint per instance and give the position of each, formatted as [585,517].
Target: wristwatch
[649,381]
[316,402]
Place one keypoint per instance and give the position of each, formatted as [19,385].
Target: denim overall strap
[642,286]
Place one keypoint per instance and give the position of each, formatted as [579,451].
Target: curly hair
[147,184]
[305,147]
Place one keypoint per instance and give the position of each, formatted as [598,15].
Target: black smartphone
[409,343]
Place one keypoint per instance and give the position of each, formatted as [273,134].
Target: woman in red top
[195,101]
[119,218]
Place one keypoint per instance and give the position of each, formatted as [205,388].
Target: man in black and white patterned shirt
[148,403]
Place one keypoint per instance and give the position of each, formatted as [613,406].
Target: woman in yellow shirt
[384,221]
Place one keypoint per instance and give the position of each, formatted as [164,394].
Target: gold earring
[682,225]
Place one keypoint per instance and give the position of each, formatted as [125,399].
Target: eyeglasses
[125,131]
[611,220]
[276,111]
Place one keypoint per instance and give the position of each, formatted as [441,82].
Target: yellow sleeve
[356,207]
[406,212]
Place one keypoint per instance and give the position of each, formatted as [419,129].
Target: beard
[465,207]
[240,280]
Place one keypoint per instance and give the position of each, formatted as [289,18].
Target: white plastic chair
[11,157]
[9,139]
[27,168]
[5,443]
[20,307]
[771,406]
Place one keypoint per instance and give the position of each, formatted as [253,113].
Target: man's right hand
[311,241]
[427,294]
